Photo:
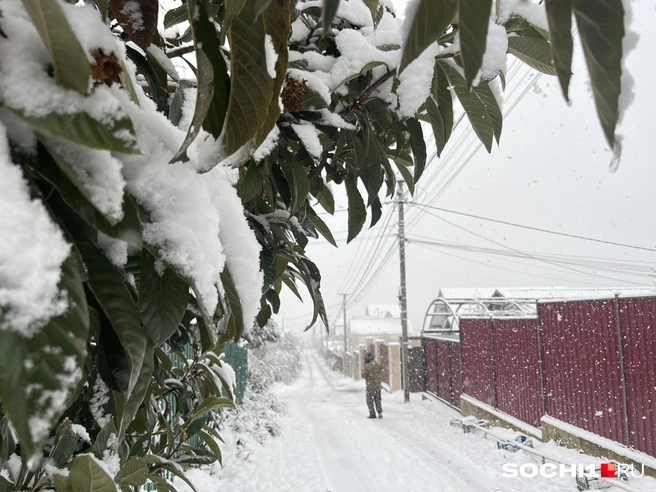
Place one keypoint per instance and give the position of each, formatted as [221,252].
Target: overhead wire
[538,229]
[528,255]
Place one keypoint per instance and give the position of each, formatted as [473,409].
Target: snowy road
[330,445]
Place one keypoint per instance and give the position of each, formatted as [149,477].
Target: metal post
[625,397]
[345,330]
[402,296]
[543,390]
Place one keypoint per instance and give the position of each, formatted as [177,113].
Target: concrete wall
[394,366]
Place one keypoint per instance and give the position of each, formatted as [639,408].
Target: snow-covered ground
[328,444]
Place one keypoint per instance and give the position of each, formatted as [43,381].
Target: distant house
[381,321]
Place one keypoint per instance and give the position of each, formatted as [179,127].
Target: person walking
[373,375]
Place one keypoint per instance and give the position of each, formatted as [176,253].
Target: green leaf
[103,7]
[323,229]
[278,25]
[204,97]
[474,17]
[373,8]
[473,106]
[61,482]
[161,483]
[176,16]
[407,177]
[601,28]
[87,475]
[109,289]
[535,52]
[418,146]
[154,74]
[251,184]
[212,445]
[104,436]
[429,23]
[34,394]
[289,282]
[162,299]
[251,86]
[559,15]
[66,444]
[232,296]
[442,107]
[522,27]
[82,129]
[325,199]
[376,212]
[143,382]
[175,110]
[296,176]
[437,122]
[366,68]
[205,36]
[357,213]
[140,32]
[328,13]
[135,472]
[72,67]
[212,403]
[484,92]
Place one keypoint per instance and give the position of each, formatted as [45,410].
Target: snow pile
[98,172]
[32,251]
[494,59]
[533,11]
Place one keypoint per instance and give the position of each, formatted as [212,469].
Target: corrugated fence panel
[456,373]
[517,360]
[638,318]
[478,371]
[582,368]
[443,371]
[431,365]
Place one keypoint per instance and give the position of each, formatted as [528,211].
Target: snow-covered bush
[273,356]
[147,211]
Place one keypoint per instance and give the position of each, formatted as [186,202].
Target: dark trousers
[373,397]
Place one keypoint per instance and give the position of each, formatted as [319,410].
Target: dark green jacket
[373,374]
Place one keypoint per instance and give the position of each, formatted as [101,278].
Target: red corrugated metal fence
[478,370]
[638,325]
[591,364]
[431,365]
[582,366]
[517,368]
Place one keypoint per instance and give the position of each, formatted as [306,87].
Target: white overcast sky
[551,171]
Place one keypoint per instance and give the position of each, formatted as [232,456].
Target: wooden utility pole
[402,297]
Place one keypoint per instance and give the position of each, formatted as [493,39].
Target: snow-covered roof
[383,310]
[369,325]
[540,292]
[466,292]
[569,292]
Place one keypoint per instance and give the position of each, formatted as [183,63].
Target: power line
[538,229]
[527,255]
[614,267]
[432,248]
